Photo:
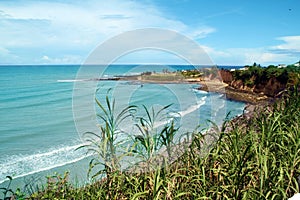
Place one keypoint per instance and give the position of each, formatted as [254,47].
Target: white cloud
[200,32]
[291,45]
[46,58]
[247,56]
[80,26]
[66,59]
[287,52]
[213,52]
[262,56]
[57,31]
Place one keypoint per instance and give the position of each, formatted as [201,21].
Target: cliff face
[226,75]
[240,85]
[269,87]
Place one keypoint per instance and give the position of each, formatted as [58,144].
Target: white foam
[133,74]
[22,165]
[199,91]
[71,80]
[158,124]
[184,112]
[218,105]
[193,108]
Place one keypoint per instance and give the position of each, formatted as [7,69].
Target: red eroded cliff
[270,87]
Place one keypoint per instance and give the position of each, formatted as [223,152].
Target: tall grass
[105,144]
[152,137]
[258,161]
[250,159]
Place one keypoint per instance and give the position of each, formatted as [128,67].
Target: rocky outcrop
[226,76]
[240,85]
[245,96]
[269,87]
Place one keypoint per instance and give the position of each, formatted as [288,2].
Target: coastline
[207,85]
[254,102]
[238,95]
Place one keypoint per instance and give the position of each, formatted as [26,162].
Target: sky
[231,32]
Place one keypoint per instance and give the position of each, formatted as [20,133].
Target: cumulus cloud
[291,46]
[56,26]
[287,52]
[67,31]
[65,59]
[46,58]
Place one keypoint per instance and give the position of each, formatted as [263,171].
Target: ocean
[46,109]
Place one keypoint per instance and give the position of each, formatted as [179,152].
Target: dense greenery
[212,72]
[255,74]
[191,73]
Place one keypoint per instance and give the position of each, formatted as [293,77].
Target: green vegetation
[162,77]
[250,159]
[151,139]
[106,145]
[254,75]
[8,193]
[191,73]
[212,72]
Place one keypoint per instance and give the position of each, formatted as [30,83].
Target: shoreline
[254,102]
[238,95]
[216,86]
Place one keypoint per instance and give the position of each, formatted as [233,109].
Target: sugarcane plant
[105,145]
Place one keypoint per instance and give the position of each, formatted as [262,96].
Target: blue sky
[232,32]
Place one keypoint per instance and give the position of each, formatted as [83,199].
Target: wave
[183,113]
[197,91]
[133,73]
[72,80]
[53,96]
[194,107]
[23,165]
[218,108]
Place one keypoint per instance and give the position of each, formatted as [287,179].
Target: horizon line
[126,64]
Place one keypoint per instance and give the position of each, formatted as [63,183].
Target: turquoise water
[38,133]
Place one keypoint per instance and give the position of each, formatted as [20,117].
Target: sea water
[40,128]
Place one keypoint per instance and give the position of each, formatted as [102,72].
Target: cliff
[254,84]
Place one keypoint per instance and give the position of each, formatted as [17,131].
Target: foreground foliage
[251,159]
